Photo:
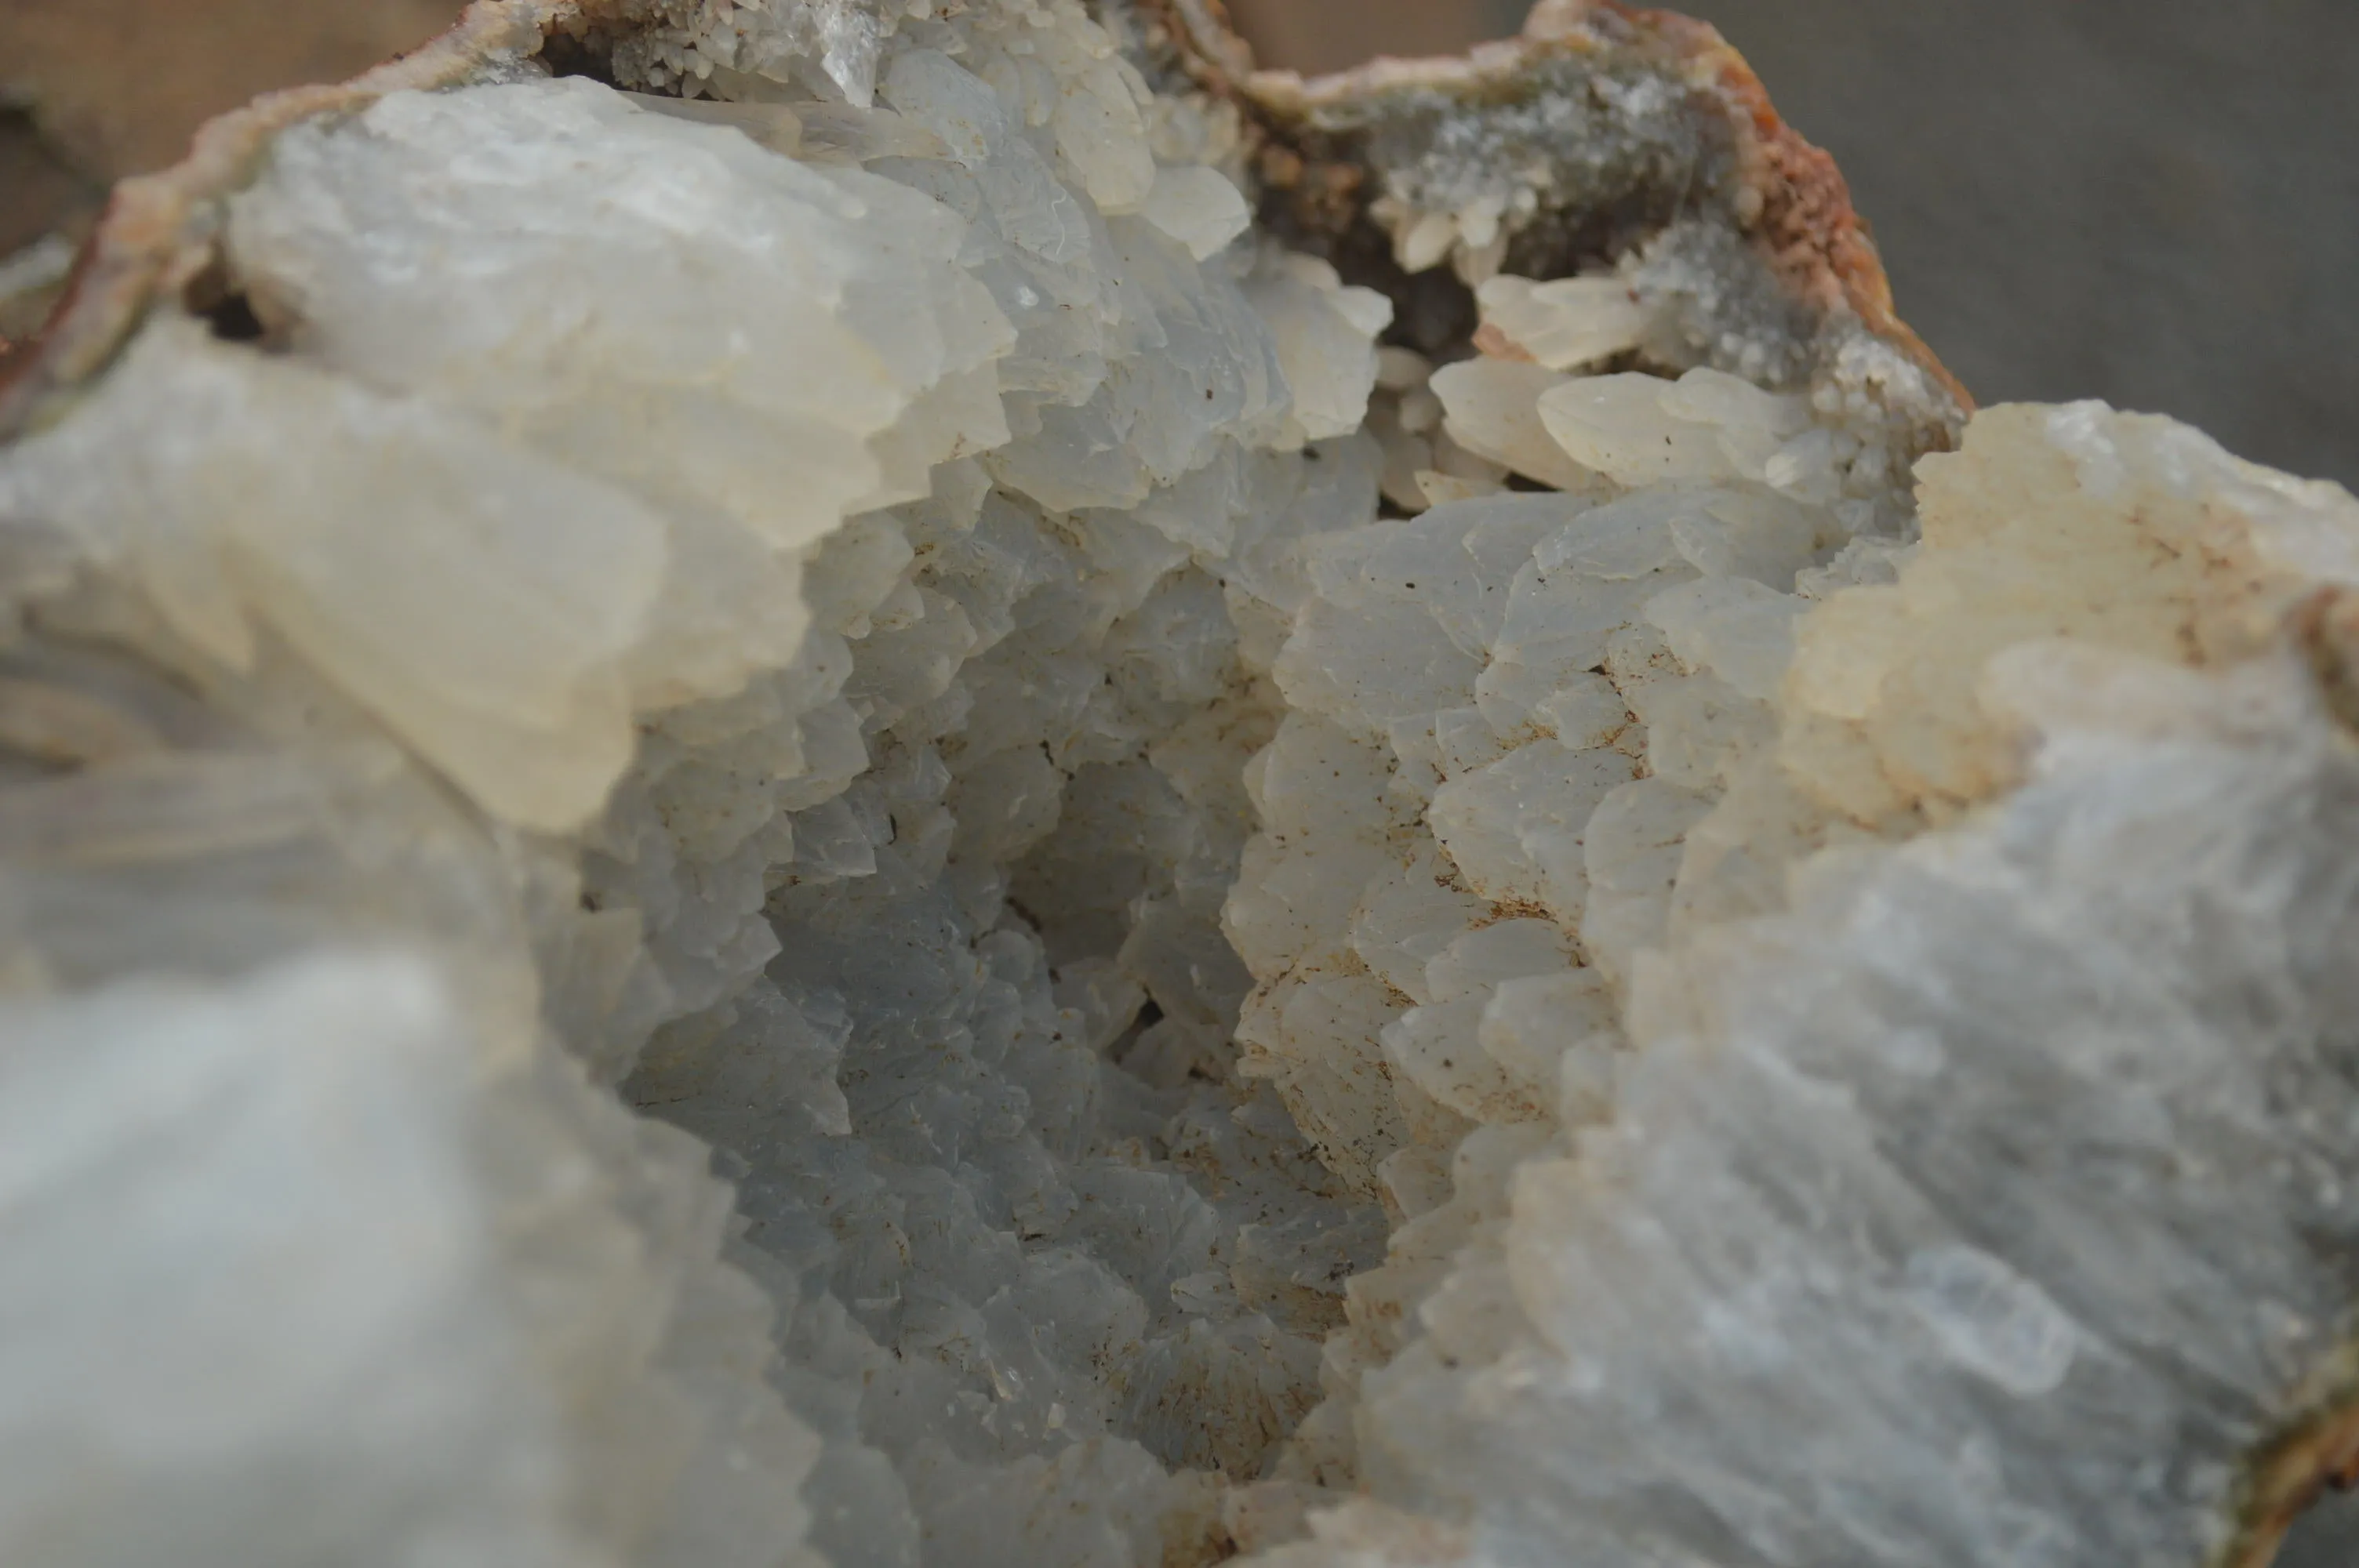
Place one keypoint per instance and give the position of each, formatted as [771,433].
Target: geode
[899,782]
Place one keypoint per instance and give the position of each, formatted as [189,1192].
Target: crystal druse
[844,782]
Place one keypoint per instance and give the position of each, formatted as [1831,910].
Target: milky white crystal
[1567,323]
[831,619]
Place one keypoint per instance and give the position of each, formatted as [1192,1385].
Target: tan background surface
[2153,202]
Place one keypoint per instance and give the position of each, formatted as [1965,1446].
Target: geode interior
[1360,825]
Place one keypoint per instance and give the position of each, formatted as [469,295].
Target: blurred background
[2151,201]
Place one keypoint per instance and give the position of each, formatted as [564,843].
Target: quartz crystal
[908,785]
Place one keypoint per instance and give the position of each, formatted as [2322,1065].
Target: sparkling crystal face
[1538,948]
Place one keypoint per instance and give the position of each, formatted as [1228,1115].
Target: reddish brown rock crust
[1791,199]
[158,235]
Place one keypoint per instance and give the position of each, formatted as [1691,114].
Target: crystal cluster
[1289,933]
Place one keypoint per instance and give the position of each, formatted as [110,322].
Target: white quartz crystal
[1289,951]
[1567,323]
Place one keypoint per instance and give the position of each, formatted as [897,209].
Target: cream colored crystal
[1266,987]
[1567,323]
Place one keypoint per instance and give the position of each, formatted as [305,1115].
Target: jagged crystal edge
[854,609]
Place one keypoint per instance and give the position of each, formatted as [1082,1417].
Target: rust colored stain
[1815,239]
[1805,223]
[1798,207]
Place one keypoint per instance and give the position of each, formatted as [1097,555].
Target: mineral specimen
[1360,827]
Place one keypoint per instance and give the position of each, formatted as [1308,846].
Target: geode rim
[160,233]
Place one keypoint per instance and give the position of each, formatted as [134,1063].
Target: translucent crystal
[1291,947]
